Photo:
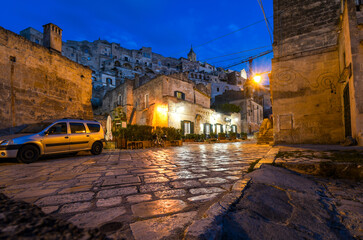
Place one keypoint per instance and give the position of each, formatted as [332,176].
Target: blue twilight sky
[168,26]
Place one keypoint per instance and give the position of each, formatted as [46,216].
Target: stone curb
[209,226]
[269,158]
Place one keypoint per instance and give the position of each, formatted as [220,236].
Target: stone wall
[251,113]
[165,110]
[120,97]
[192,94]
[351,55]
[37,84]
[145,113]
[306,95]
[304,25]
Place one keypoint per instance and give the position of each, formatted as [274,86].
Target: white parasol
[109,128]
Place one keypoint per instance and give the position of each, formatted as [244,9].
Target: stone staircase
[266,133]
[267,138]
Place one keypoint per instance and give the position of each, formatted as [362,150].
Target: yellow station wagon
[53,137]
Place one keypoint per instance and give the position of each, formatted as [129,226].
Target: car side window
[59,128]
[93,127]
[77,128]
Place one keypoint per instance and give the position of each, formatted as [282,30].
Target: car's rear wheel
[96,148]
[28,154]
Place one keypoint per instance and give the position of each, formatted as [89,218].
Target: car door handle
[66,137]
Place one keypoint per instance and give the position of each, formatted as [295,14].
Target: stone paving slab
[298,207]
[320,160]
[122,191]
[158,228]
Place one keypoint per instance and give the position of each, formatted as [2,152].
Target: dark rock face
[273,207]
[20,220]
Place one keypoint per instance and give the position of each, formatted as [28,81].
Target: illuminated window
[179,95]
[219,128]
[186,128]
[207,129]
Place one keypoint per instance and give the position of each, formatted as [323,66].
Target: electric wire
[266,21]
[231,59]
[249,58]
[249,50]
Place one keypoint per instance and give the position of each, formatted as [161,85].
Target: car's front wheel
[96,148]
[28,154]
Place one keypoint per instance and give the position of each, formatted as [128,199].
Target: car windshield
[34,127]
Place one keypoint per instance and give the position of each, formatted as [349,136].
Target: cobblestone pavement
[141,194]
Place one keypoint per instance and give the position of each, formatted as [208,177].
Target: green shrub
[200,137]
[221,136]
[232,135]
[172,134]
[134,132]
[146,133]
[190,136]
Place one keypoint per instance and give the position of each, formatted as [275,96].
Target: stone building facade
[170,101]
[317,80]
[38,83]
[251,115]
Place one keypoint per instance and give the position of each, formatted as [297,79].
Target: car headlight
[7,142]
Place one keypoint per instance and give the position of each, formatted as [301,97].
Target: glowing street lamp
[257,78]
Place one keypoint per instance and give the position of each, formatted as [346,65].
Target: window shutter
[182,127]
[175,94]
[183,96]
[205,128]
[191,127]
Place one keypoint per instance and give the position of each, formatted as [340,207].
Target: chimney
[52,37]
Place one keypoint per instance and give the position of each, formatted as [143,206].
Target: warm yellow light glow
[257,78]
[160,118]
[162,109]
[180,109]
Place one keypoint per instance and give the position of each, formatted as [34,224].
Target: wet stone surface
[146,189]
